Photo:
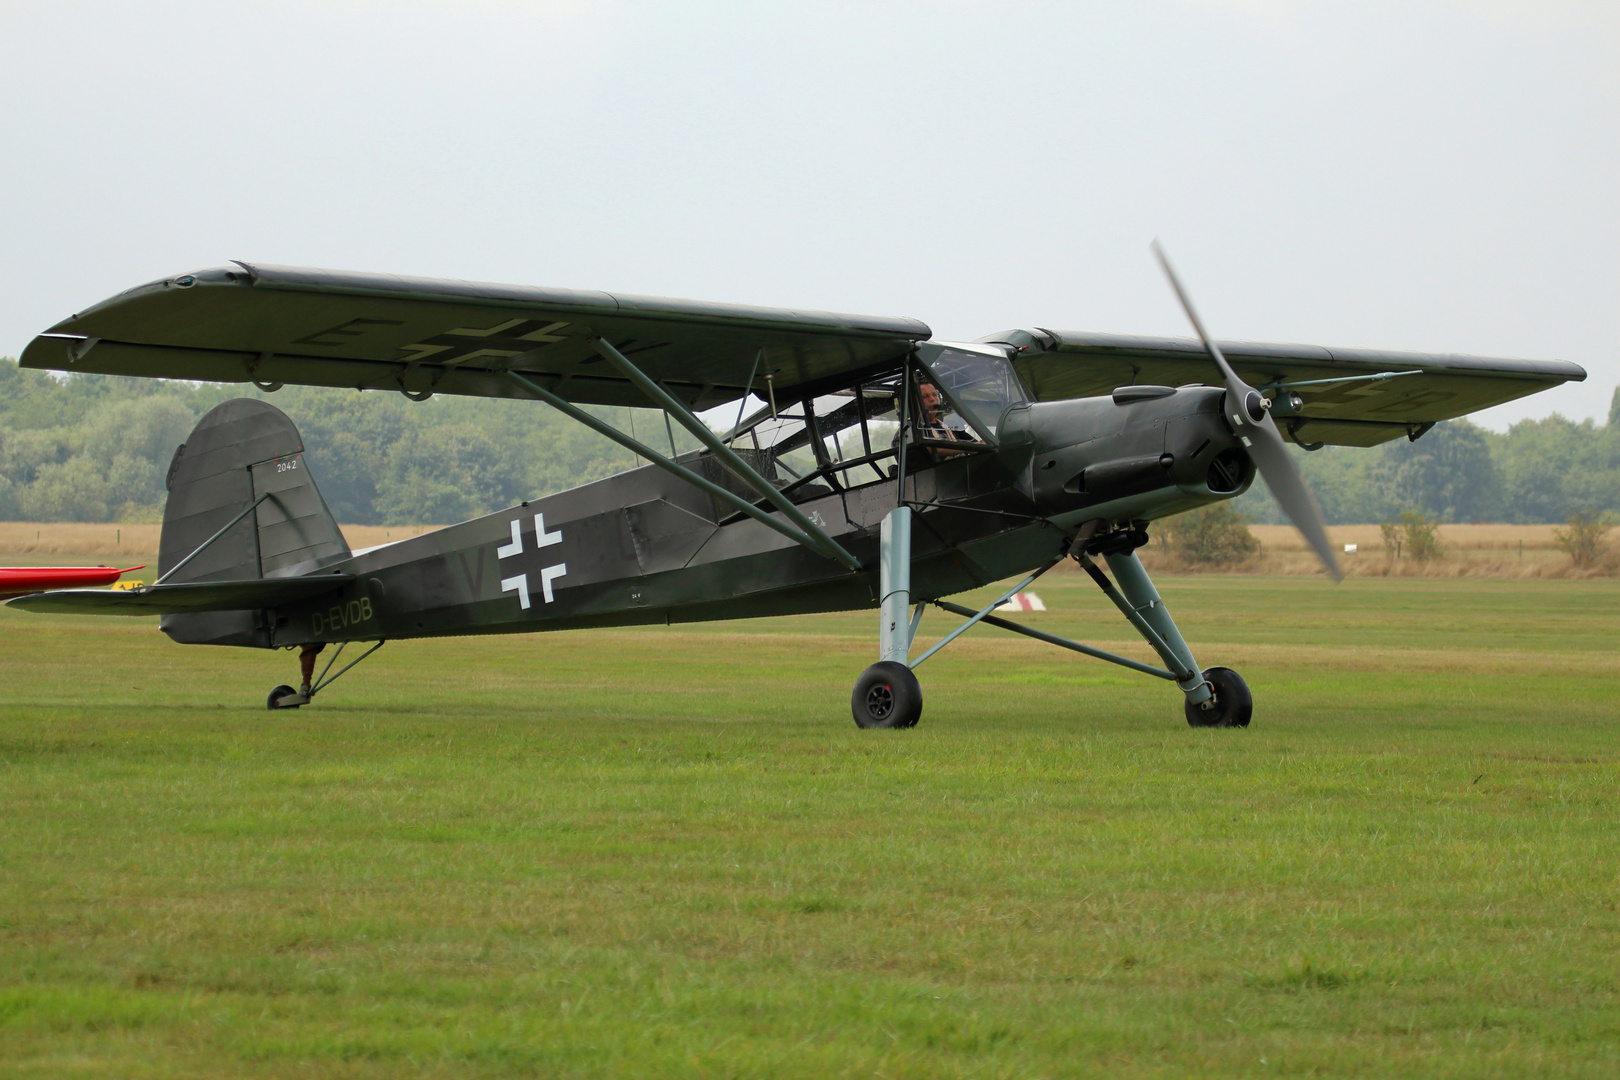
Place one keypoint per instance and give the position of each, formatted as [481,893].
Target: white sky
[1422,175]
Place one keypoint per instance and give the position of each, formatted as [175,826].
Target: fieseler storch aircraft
[862,464]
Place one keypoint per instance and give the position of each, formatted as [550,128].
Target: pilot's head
[929,395]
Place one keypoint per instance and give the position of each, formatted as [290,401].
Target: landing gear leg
[306,665]
[887,694]
[1217,697]
[285,697]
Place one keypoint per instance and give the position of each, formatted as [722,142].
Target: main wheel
[886,696]
[274,700]
[1231,706]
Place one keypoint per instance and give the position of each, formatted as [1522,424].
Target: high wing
[273,324]
[1066,364]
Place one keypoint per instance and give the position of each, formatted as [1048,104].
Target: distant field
[668,852]
[1369,538]
[1483,550]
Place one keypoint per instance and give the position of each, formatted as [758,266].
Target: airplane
[862,464]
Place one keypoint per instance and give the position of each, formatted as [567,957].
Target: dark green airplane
[878,469]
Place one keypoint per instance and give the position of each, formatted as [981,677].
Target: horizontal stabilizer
[185,597]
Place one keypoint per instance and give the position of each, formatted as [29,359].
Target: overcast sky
[1419,175]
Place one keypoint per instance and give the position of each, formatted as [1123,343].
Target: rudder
[241,451]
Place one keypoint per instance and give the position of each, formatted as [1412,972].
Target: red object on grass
[22,580]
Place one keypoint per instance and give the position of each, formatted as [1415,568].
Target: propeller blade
[1250,416]
[1214,350]
[1288,487]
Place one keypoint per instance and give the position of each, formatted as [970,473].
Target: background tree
[1215,535]
[1537,471]
[1584,539]
[1449,473]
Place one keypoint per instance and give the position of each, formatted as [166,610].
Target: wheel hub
[880,701]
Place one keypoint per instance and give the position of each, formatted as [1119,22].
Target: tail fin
[240,452]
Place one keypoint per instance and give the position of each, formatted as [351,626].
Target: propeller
[1250,416]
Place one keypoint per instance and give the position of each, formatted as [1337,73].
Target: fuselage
[645,546]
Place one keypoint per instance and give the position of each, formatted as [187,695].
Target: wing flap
[194,596]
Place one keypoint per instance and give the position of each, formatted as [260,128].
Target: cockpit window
[985,386]
[832,442]
[811,447]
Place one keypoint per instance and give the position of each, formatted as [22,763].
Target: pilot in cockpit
[934,425]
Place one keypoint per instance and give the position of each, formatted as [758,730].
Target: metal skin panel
[665,536]
[1067,364]
[329,328]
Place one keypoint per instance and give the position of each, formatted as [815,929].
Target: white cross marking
[545,333]
[521,584]
[547,576]
[506,551]
[543,538]
[480,331]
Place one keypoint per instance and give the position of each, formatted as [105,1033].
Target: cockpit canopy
[978,383]
[848,438]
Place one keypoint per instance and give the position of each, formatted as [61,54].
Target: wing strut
[228,527]
[739,468]
[726,455]
[731,499]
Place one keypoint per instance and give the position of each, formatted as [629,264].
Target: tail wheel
[886,696]
[274,700]
[1232,706]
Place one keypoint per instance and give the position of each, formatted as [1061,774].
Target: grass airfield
[668,852]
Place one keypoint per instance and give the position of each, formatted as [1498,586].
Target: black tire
[274,700]
[886,696]
[1233,706]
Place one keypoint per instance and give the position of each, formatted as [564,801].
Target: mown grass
[668,852]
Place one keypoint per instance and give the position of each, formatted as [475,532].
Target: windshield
[984,385]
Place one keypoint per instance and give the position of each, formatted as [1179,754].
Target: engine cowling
[1142,453]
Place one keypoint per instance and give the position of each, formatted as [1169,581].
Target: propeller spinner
[1250,416]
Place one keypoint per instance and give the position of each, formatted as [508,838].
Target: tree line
[1537,471]
[98,447]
